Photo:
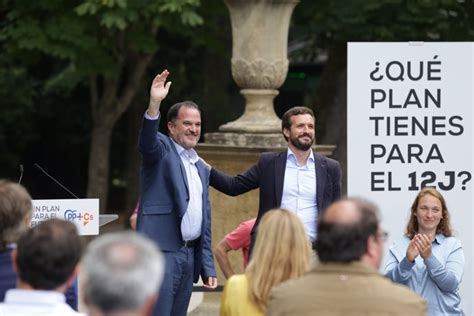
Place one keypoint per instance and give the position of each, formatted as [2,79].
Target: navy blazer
[268,175]
[164,197]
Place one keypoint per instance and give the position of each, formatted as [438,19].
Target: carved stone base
[252,140]
[235,143]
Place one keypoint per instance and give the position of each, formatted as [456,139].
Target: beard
[295,141]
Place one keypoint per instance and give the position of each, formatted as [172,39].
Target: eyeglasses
[382,235]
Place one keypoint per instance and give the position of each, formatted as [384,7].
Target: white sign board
[82,212]
[409,121]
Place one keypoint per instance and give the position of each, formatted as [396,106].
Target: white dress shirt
[299,191]
[192,220]
[35,303]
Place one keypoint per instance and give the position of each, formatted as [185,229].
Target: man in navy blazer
[298,179]
[174,206]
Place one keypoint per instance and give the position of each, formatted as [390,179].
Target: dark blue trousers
[177,286]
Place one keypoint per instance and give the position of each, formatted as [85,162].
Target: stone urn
[259,60]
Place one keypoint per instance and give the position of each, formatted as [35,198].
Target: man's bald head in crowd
[345,211]
[349,231]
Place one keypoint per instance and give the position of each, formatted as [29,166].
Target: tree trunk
[115,100]
[98,186]
[332,100]
[134,117]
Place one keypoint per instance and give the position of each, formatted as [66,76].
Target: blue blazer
[268,175]
[164,197]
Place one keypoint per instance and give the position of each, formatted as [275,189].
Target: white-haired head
[121,272]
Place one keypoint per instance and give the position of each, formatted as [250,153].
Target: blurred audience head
[15,212]
[281,252]
[349,231]
[122,274]
[47,255]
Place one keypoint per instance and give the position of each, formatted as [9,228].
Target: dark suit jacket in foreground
[268,175]
[164,198]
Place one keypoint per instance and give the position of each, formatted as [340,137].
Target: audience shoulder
[289,286]
[401,297]
[236,278]
[235,284]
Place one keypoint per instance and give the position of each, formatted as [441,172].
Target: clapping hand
[412,250]
[423,243]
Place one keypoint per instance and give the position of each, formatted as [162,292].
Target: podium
[84,213]
[104,219]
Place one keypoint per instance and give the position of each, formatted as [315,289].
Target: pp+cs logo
[73,215]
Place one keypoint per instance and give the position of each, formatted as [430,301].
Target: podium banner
[84,213]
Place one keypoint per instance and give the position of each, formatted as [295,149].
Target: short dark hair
[174,109]
[47,254]
[347,242]
[297,110]
[15,205]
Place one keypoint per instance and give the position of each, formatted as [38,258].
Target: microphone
[21,174]
[52,178]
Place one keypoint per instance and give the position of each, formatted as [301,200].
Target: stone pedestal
[259,116]
[259,65]
[228,212]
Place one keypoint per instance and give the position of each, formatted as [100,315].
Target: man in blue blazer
[298,179]
[174,206]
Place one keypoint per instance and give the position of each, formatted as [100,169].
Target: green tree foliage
[102,47]
[16,95]
[385,20]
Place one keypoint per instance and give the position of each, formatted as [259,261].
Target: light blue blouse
[436,279]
